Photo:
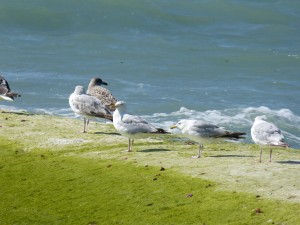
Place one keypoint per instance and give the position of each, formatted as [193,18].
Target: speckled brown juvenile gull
[5,92]
[103,94]
[87,106]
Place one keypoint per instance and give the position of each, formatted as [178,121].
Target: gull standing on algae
[132,126]
[203,132]
[264,133]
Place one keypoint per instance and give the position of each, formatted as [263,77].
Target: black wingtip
[235,135]
[161,131]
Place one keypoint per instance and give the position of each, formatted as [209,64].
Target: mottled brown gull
[104,95]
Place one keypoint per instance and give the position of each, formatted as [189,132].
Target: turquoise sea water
[222,61]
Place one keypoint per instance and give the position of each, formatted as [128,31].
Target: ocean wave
[67,112]
[12,108]
[233,116]
[32,16]
[135,15]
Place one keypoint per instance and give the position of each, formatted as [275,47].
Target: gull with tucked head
[87,106]
[203,132]
[132,126]
[264,133]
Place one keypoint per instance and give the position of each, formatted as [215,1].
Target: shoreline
[48,165]
[233,165]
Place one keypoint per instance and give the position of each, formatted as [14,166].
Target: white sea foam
[239,116]
[239,119]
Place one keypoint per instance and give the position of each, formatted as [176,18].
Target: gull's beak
[113,106]
[174,126]
[104,83]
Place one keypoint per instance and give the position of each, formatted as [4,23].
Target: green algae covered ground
[51,173]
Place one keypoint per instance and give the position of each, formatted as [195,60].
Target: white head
[79,90]
[121,106]
[180,124]
[97,81]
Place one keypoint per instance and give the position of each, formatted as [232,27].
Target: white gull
[87,106]
[132,126]
[203,132]
[264,133]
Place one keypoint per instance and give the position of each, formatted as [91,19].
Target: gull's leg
[260,154]
[271,155]
[84,125]
[129,144]
[132,140]
[87,123]
[200,151]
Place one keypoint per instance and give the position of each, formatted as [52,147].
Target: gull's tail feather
[105,116]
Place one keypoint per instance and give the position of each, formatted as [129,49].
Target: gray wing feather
[267,132]
[136,124]
[5,89]
[89,105]
[207,130]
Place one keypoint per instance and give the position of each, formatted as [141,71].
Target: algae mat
[51,173]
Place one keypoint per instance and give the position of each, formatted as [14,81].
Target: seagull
[204,132]
[5,92]
[264,133]
[87,106]
[132,126]
[103,94]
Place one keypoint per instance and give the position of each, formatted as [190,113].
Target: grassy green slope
[51,174]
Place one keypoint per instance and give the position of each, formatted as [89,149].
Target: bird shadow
[235,156]
[19,113]
[108,133]
[289,162]
[155,150]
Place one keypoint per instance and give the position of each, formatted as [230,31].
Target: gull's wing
[136,124]
[89,106]
[208,130]
[5,91]
[4,86]
[103,94]
[267,133]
